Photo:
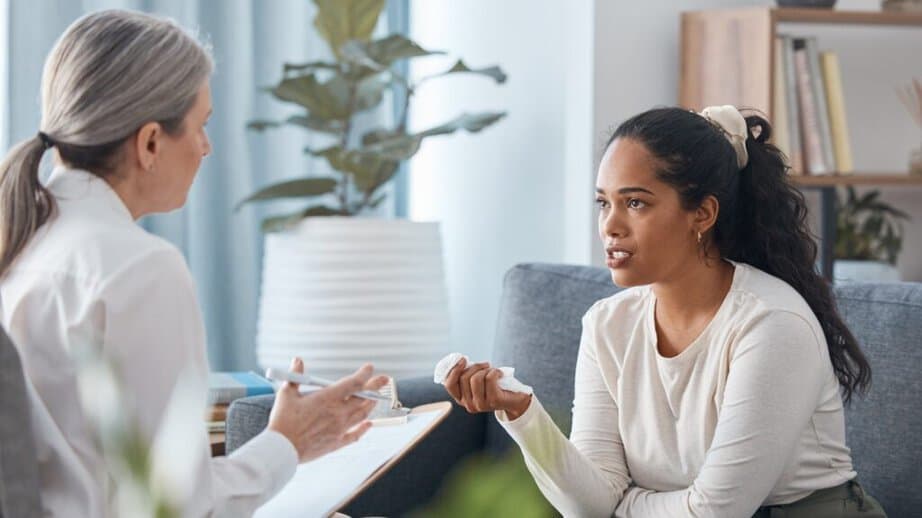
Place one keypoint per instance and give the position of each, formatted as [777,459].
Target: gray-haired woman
[125,100]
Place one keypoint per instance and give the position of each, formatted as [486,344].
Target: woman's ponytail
[25,204]
[772,234]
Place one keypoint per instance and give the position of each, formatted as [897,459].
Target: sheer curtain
[251,39]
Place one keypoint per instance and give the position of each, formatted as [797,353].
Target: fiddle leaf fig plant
[868,229]
[330,94]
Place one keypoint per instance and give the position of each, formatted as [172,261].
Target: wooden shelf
[833,180]
[832,16]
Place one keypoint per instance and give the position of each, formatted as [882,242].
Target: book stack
[225,387]
[809,108]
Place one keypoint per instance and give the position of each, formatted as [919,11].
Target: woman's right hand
[319,422]
[476,388]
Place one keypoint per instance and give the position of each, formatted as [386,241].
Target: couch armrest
[246,417]
[417,477]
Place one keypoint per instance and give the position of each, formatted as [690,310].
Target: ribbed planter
[340,291]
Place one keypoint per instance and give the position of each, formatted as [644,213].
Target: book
[793,107]
[225,387]
[217,412]
[819,95]
[814,159]
[781,136]
[835,100]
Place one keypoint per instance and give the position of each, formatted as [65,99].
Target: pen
[304,379]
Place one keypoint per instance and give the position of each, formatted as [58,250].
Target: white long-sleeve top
[93,276]
[749,414]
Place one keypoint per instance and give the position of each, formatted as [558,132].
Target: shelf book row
[809,108]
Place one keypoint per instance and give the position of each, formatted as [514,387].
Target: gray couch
[538,333]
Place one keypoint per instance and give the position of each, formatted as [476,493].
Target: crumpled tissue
[507,382]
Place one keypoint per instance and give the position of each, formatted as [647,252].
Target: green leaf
[292,189]
[369,170]
[262,125]
[380,54]
[339,21]
[323,100]
[471,122]
[309,67]
[334,127]
[493,72]
[399,148]
[277,223]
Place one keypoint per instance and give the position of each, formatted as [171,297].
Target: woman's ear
[148,144]
[706,214]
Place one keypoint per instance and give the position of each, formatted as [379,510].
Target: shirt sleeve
[153,331]
[586,475]
[774,383]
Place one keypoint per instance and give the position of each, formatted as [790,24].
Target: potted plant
[869,237]
[339,288]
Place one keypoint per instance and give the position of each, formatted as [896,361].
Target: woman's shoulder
[625,303]
[768,293]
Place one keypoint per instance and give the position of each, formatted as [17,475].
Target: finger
[478,390]
[465,383]
[377,383]
[494,394]
[297,365]
[349,385]
[452,384]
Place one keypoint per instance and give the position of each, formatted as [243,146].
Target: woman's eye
[635,203]
[601,203]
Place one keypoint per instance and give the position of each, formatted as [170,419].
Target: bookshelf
[727,57]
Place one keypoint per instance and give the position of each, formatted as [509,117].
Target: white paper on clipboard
[320,487]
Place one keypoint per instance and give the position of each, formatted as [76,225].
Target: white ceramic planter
[340,291]
[864,271]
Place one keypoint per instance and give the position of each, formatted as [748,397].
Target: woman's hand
[476,388]
[319,422]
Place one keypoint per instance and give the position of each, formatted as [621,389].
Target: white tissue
[507,382]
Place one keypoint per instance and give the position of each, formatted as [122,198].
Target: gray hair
[110,73]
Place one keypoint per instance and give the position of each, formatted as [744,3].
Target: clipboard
[313,494]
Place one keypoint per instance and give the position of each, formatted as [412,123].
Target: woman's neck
[686,303]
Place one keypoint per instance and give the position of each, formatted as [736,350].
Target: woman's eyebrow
[627,190]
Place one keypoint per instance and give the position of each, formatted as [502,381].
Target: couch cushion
[884,430]
[538,332]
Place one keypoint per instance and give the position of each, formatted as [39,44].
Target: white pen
[304,379]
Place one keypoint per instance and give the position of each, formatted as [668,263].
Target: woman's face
[181,154]
[646,234]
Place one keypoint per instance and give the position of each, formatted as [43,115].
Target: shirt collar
[76,184]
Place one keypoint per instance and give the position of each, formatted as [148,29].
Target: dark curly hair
[762,219]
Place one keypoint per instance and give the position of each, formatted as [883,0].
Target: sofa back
[539,329]
[884,430]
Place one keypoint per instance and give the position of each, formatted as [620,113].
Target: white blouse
[749,414]
[93,276]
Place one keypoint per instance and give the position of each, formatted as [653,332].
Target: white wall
[497,193]
[522,190]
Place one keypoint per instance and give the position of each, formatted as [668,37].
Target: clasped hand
[476,388]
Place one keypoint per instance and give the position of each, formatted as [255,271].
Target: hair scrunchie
[732,124]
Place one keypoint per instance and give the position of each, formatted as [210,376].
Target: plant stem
[343,144]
